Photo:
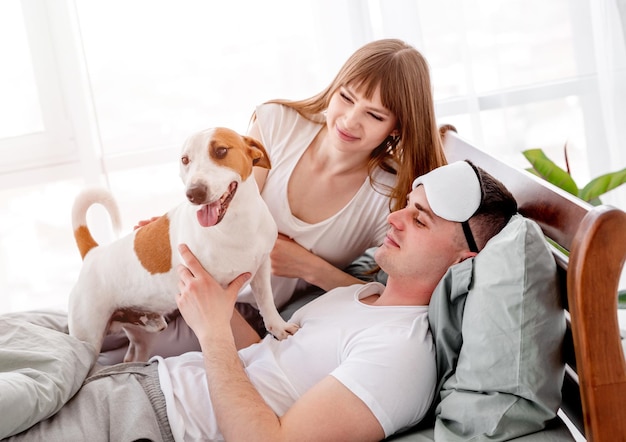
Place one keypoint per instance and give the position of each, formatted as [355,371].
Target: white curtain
[609,36]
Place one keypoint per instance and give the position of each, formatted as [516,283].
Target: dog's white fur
[132,282]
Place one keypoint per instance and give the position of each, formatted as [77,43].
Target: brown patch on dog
[237,152]
[149,320]
[259,155]
[84,240]
[152,246]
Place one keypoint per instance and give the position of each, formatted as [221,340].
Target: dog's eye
[221,152]
[184,160]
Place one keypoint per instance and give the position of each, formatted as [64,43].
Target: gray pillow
[508,377]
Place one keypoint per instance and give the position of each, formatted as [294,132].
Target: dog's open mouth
[211,214]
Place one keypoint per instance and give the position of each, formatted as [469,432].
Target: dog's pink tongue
[208,214]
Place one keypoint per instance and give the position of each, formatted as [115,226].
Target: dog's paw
[283,330]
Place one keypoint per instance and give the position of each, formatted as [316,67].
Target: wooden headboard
[594,239]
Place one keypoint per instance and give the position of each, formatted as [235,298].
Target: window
[19,111]
[34,129]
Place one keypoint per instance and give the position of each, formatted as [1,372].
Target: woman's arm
[243,333]
[328,411]
[291,260]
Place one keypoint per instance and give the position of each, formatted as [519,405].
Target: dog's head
[212,165]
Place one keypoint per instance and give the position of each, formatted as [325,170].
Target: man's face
[420,244]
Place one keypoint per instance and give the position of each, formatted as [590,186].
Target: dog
[131,283]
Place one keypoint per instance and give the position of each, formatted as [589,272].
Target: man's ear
[465,255]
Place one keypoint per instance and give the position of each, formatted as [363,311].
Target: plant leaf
[602,184]
[549,171]
[621,299]
[533,171]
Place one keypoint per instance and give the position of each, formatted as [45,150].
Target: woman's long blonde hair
[405,89]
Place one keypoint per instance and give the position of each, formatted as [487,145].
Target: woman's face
[356,123]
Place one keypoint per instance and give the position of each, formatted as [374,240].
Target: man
[361,367]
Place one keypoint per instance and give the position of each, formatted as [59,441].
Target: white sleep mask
[453,193]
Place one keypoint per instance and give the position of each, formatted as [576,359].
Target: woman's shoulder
[270,111]
[384,176]
[279,123]
[382,181]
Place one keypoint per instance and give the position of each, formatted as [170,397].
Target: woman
[341,160]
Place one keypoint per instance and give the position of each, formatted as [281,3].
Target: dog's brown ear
[259,155]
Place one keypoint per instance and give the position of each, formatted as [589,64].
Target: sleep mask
[454,193]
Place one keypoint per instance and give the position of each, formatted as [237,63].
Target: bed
[586,253]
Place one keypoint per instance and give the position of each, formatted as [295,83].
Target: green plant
[545,168]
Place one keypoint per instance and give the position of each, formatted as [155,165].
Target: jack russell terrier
[132,282]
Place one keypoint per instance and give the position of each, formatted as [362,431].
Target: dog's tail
[82,203]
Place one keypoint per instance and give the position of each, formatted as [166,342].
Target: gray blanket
[40,370]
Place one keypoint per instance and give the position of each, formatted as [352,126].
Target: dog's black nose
[197,194]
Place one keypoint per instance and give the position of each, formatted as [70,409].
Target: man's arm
[328,411]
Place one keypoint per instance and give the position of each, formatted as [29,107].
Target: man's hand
[205,305]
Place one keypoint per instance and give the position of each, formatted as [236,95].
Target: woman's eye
[345,97]
[376,117]
[418,222]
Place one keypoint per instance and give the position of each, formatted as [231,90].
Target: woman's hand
[206,306]
[290,259]
[145,222]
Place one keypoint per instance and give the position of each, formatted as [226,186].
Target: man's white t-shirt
[340,239]
[383,354]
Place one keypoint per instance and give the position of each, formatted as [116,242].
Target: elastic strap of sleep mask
[469,237]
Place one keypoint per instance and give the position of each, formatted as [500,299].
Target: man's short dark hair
[497,206]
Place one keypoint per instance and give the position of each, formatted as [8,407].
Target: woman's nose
[351,119]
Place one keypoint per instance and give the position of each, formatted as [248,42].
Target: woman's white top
[340,239]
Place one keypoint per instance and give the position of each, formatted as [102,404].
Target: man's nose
[396,218]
